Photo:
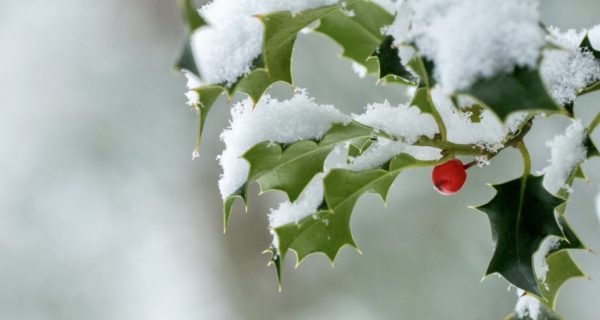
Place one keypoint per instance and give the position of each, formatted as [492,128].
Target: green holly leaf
[290,168]
[191,16]
[358,35]
[520,90]
[242,194]
[521,215]
[423,67]
[329,229]
[206,98]
[422,100]
[561,268]
[390,65]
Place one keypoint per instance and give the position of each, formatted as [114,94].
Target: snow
[594,36]
[193,97]
[515,120]
[359,69]
[298,118]
[570,39]
[224,50]
[390,6]
[307,204]
[471,39]
[403,122]
[488,133]
[384,150]
[566,71]
[567,151]
[539,258]
[527,306]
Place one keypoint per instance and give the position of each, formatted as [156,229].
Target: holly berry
[449,177]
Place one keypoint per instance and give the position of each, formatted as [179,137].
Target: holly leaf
[193,21]
[561,268]
[359,35]
[206,98]
[242,194]
[390,64]
[520,90]
[521,216]
[587,45]
[423,67]
[290,168]
[329,229]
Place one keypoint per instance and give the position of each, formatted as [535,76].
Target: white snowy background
[103,214]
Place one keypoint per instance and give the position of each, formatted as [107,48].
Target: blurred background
[103,214]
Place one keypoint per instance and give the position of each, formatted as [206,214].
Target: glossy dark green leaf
[521,215]
[521,90]
[191,16]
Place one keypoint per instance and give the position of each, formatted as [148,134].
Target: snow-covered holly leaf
[521,215]
[390,65]
[587,44]
[290,168]
[328,230]
[521,90]
[193,21]
[359,33]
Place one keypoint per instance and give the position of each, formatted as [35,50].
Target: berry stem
[470,164]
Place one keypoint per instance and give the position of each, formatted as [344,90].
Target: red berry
[449,177]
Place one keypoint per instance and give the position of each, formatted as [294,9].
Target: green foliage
[290,168]
[522,213]
[360,34]
[521,90]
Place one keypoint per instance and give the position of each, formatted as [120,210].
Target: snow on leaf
[328,230]
[523,89]
[521,216]
[289,168]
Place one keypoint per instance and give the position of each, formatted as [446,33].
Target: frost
[403,122]
[594,36]
[471,39]
[359,69]
[224,50]
[489,132]
[539,258]
[567,71]
[567,151]
[383,150]
[298,118]
[527,306]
